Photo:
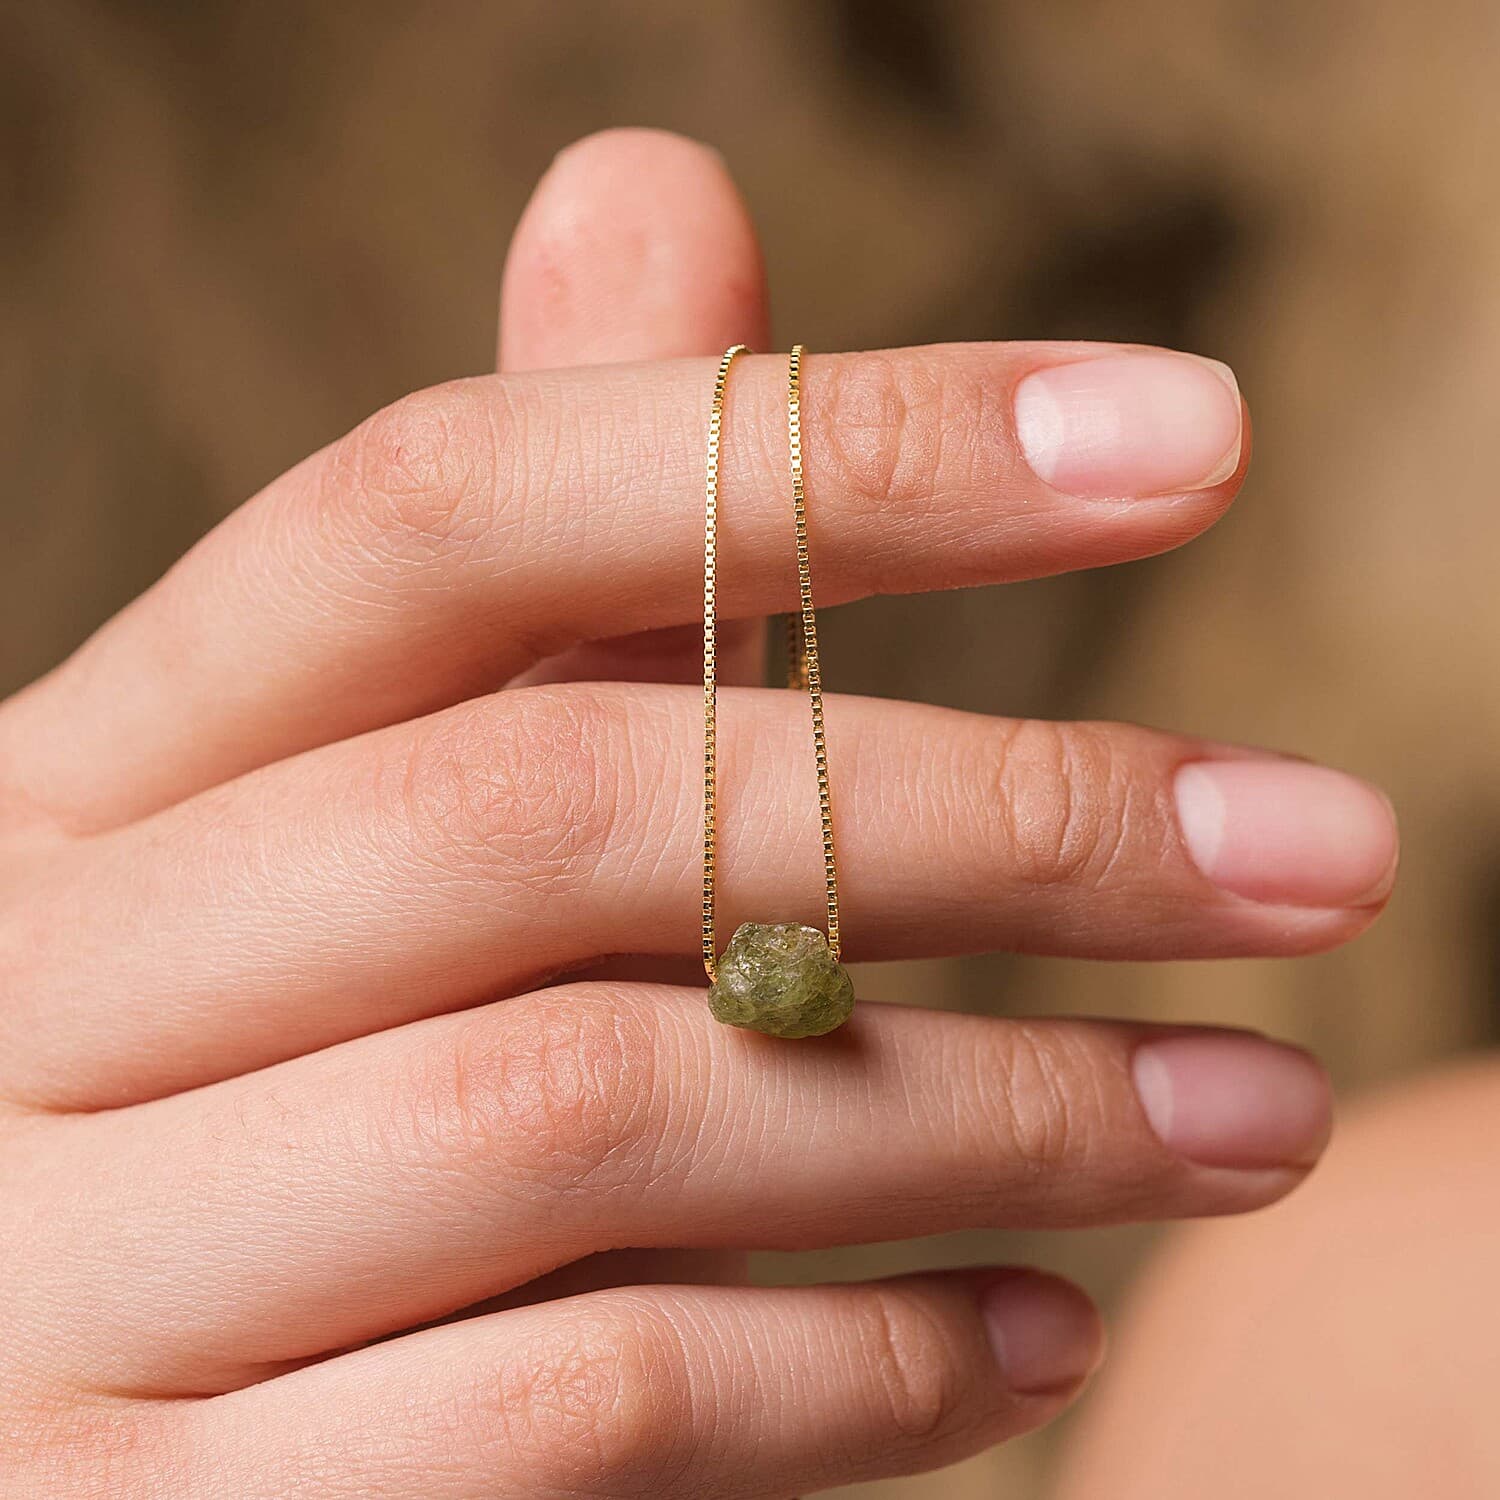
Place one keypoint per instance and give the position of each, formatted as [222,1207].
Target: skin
[342,1159]
[1278,1387]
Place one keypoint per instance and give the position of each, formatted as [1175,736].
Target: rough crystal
[781,978]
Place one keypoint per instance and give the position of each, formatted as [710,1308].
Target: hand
[286,880]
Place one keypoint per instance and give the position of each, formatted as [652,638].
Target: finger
[441,864]
[636,245]
[667,1391]
[465,533]
[391,1180]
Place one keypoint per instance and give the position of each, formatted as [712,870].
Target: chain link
[711,660]
[804,672]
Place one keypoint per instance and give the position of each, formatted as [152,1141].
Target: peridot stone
[781,978]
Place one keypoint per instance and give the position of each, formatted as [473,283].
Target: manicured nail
[1234,1099]
[1287,832]
[1044,1332]
[1131,425]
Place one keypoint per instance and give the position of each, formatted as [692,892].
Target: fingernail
[1044,1332]
[1234,1099]
[1131,425]
[1287,832]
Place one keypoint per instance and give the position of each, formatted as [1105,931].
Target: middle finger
[439,864]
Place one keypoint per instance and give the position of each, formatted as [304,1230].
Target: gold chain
[806,671]
[710,658]
[804,668]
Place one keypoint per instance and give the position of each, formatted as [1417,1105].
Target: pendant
[780,978]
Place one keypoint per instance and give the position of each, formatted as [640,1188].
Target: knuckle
[601,1404]
[916,1374]
[422,469]
[881,427]
[906,438]
[559,1090]
[1065,804]
[1051,1119]
[527,785]
[899,428]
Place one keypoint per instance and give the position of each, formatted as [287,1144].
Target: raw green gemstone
[780,978]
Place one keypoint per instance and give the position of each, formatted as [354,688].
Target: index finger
[466,531]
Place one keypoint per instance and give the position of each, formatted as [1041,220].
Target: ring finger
[404,1175]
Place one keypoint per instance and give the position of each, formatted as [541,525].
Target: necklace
[781,978]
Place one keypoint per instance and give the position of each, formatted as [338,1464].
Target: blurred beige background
[230,231]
